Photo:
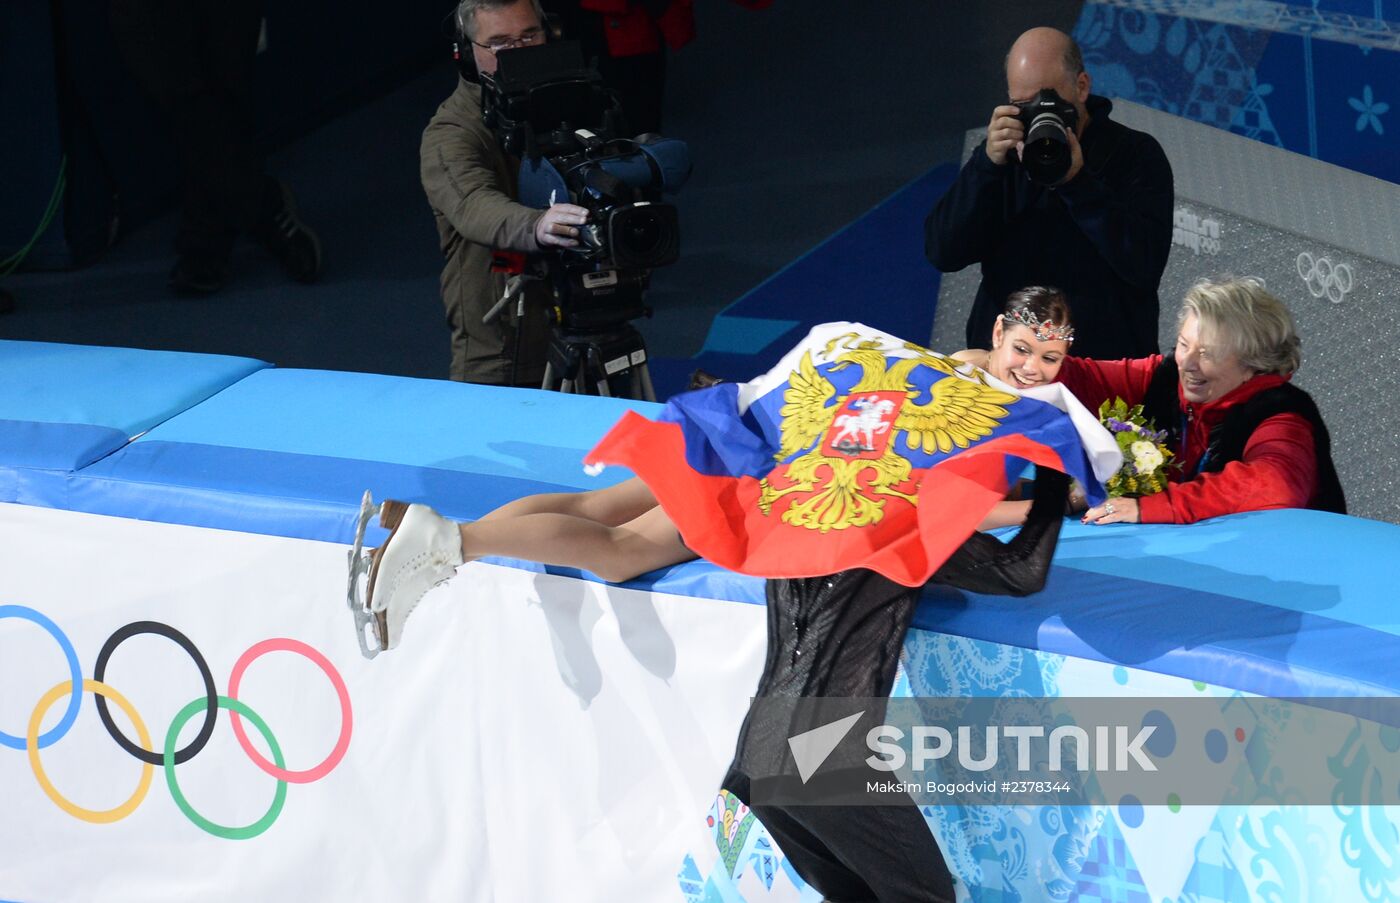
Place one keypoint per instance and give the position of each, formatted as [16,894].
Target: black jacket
[1103,237]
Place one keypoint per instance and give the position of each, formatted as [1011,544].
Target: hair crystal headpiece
[1045,330]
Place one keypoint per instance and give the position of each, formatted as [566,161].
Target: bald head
[1045,50]
[1047,58]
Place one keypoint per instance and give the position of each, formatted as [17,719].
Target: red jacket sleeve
[631,30]
[1278,470]
[1094,382]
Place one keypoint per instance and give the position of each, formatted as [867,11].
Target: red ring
[283,644]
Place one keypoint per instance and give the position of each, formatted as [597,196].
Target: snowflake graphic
[1370,110]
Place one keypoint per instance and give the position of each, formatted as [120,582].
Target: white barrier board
[536,738]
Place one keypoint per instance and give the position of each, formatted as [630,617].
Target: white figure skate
[423,550]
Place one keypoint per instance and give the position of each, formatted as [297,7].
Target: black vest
[1228,438]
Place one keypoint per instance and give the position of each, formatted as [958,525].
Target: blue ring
[75,698]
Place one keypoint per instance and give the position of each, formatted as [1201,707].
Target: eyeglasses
[526,39]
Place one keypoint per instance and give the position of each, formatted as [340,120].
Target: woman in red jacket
[1244,436]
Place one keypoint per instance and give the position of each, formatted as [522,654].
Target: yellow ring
[95,816]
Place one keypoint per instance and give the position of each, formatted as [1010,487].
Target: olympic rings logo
[32,742]
[1325,278]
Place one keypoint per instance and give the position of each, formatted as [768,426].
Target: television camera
[551,110]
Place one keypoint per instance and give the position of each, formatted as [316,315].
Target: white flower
[1146,457]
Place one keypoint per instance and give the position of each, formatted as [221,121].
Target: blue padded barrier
[1281,603]
[1278,603]
[64,406]
[289,452]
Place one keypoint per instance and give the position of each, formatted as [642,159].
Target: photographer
[1087,208]
[470,183]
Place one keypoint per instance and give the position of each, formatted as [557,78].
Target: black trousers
[195,58]
[857,854]
[840,636]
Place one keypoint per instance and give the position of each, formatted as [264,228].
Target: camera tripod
[599,363]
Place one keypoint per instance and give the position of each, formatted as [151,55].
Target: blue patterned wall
[1319,77]
[1285,852]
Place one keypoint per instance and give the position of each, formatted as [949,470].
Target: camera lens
[644,236]
[1045,152]
[642,233]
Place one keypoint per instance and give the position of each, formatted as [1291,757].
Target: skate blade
[356,594]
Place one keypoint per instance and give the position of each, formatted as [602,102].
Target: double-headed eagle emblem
[852,445]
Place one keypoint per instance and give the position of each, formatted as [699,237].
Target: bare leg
[615,553]
[611,507]
[617,533]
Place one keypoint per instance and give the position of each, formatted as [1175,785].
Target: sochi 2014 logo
[1199,233]
[167,756]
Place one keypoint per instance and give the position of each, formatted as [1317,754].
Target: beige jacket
[470,183]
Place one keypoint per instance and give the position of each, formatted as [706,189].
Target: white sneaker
[423,550]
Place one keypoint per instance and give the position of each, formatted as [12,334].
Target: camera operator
[470,183]
[1087,208]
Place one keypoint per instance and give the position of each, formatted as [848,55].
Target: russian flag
[858,450]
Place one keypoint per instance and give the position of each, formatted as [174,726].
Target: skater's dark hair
[703,380]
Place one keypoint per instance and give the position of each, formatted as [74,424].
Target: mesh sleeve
[984,564]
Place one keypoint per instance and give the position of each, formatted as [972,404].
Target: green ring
[173,735]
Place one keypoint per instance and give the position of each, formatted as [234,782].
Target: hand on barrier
[1121,510]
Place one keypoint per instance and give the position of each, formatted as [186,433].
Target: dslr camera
[1048,118]
[550,109]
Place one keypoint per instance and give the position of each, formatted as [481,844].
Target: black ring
[211,694]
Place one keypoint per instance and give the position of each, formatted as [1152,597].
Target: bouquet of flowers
[1145,452]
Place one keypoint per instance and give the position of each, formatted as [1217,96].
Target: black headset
[462,45]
